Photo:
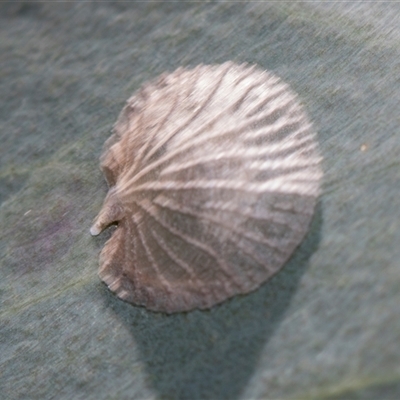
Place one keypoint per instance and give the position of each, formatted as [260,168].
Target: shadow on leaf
[213,353]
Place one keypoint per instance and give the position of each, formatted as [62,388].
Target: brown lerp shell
[213,173]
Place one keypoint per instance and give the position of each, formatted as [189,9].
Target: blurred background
[326,327]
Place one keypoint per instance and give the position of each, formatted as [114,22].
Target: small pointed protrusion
[110,213]
[94,231]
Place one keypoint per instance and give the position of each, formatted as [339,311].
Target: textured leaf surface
[326,326]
